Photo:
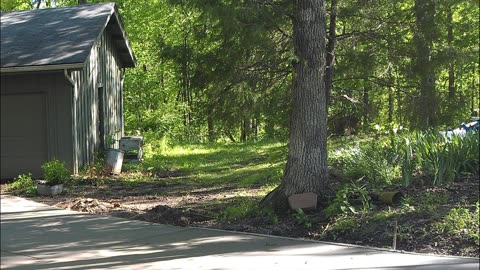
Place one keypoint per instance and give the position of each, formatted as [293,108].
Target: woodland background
[220,70]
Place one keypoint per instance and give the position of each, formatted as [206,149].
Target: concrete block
[303,201]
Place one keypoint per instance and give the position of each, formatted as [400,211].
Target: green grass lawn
[235,165]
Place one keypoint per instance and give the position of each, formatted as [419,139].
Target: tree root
[276,200]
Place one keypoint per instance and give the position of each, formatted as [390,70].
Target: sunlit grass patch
[244,208]
[242,164]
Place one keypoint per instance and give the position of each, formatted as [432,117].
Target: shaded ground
[169,199]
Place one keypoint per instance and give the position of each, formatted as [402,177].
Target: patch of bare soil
[181,204]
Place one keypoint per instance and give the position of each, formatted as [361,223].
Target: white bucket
[114,161]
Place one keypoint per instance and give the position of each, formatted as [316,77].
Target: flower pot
[47,190]
[114,161]
[391,198]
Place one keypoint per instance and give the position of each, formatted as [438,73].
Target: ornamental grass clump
[55,172]
[440,157]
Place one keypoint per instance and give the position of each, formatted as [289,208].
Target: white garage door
[23,134]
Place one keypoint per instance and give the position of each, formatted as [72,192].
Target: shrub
[461,221]
[302,219]
[344,225]
[54,172]
[24,185]
[96,168]
[376,161]
[439,157]
[346,200]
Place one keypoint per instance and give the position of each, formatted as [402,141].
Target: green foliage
[302,219]
[247,164]
[247,208]
[430,201]
[406,207]
[462,221]
[23,184]
[408,165]
[55,172]
[244,209]
[13,5]
[202,64]
[375,161]
[384,215]
[96,168]
[440,157]
[409,156]
[430,198]
[344,225]
[347,201]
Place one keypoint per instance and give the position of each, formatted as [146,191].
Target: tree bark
[82,2]
[230,136]
[243,130]
[306,169]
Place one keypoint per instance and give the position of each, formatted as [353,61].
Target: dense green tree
[222,70]
[13,5]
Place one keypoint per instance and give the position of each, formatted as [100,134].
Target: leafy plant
[461,221]
[346,199]
[111,139]
[247,209]
[430,201]
[302,219]
[408,164]
[376,161]
[344,224]
[94,170]
[55,172]
[23,184]
[444,158]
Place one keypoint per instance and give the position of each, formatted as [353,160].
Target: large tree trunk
[306,169]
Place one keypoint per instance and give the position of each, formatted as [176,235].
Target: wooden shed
[62,72]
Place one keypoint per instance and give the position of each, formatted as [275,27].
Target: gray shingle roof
[59,36]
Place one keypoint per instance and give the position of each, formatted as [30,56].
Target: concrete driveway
[36,236]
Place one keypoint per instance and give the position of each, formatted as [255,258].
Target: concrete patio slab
[36,236]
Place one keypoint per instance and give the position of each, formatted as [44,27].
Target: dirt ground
[171,202]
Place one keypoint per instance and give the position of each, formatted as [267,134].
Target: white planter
[46,190]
